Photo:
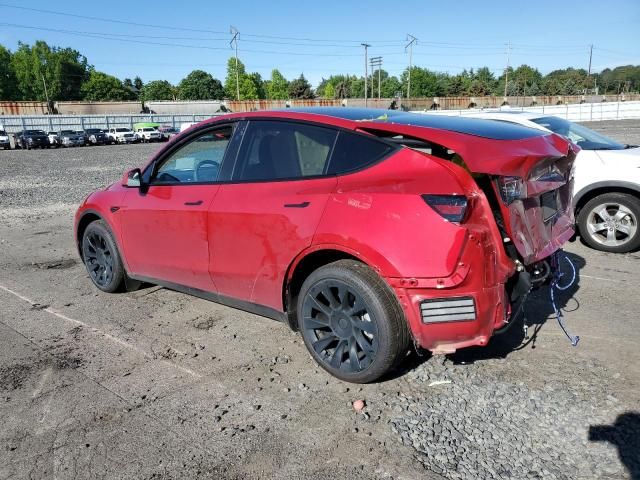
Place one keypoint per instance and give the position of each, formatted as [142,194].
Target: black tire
[617,228]
[102,258]
[363,322]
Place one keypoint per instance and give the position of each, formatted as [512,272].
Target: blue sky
[323,37]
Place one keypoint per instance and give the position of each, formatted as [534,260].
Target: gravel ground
[156,384]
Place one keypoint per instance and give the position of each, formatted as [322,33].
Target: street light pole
[410,47]
[366,72]
[46,94]
[234,40]
[375,62]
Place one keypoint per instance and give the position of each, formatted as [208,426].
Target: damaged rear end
[522,180]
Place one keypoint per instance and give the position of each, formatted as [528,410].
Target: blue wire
[555,283]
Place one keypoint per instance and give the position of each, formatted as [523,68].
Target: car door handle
[297,205]
[194,203]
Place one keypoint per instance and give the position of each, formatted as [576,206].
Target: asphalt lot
[156,384]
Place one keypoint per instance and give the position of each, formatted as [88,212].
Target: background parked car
[5,140]
[606,192]
[70,138]
[96,136]
[168,132]
[122,135]
[54,141]
[148,134]
[29,139]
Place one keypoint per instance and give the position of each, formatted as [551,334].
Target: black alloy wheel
[340,326]
[102,259]
[98,258]
[351,321]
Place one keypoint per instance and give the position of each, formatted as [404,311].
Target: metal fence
[584,112]
[50,123]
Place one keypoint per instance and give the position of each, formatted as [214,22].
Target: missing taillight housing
[511,189]
[450,207]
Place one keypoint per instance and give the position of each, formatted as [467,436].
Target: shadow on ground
[625,435]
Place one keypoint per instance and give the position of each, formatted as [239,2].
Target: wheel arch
[305,263]
[591,191]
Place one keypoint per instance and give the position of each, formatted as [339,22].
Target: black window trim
[152,168]
[393,148]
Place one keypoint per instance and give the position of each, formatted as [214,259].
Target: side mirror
[132,178]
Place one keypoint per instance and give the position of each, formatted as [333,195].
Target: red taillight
[450,207]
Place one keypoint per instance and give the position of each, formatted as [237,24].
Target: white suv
[122,135]
[606,192]
[148,134]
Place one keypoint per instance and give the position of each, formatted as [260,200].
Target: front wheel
[351,322]
[609,222]
[102,259]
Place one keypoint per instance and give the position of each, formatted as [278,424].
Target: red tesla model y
[366,230]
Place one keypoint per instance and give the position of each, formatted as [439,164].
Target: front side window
[199,160]
[274,150]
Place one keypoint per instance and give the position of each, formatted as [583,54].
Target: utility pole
[234,31]
[506,71]
[46,94]
[366,72]
[589,70]
[409,45]
[375,62]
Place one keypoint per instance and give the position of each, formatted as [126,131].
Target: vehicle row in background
[37,138]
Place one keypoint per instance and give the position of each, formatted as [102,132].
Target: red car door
[165,226]
[269,214]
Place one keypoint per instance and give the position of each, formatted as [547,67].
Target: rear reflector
[453,309]
[449,207]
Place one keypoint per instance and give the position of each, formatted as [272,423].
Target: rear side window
[354,151]
[274,150]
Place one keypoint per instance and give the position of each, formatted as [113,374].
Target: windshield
[2,132]
[67,132]
[584,137]
[34,132]
[122,129]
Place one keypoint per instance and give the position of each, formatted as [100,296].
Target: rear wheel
[609,222]
[351,322]
[102,259]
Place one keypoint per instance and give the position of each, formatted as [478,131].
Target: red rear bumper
[481,274]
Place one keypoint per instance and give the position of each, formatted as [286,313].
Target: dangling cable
[555,283]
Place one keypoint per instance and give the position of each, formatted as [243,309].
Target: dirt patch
[56,264]
[205,322]
[14,376]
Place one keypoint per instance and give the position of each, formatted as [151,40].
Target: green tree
[200,85]
[256,78]
[300,88]
[230,80]
[137,82]
[102,87]
[248,89]
[63,69]
[424,83]
[329,91]
[279,86]
[158,90]
[7,76]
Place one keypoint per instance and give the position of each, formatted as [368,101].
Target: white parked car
[148,134]
[122,135]
[606,192]
[5,140]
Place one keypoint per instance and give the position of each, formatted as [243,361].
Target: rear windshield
[122,129]
[67,132]
[34,132]
[2,132]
